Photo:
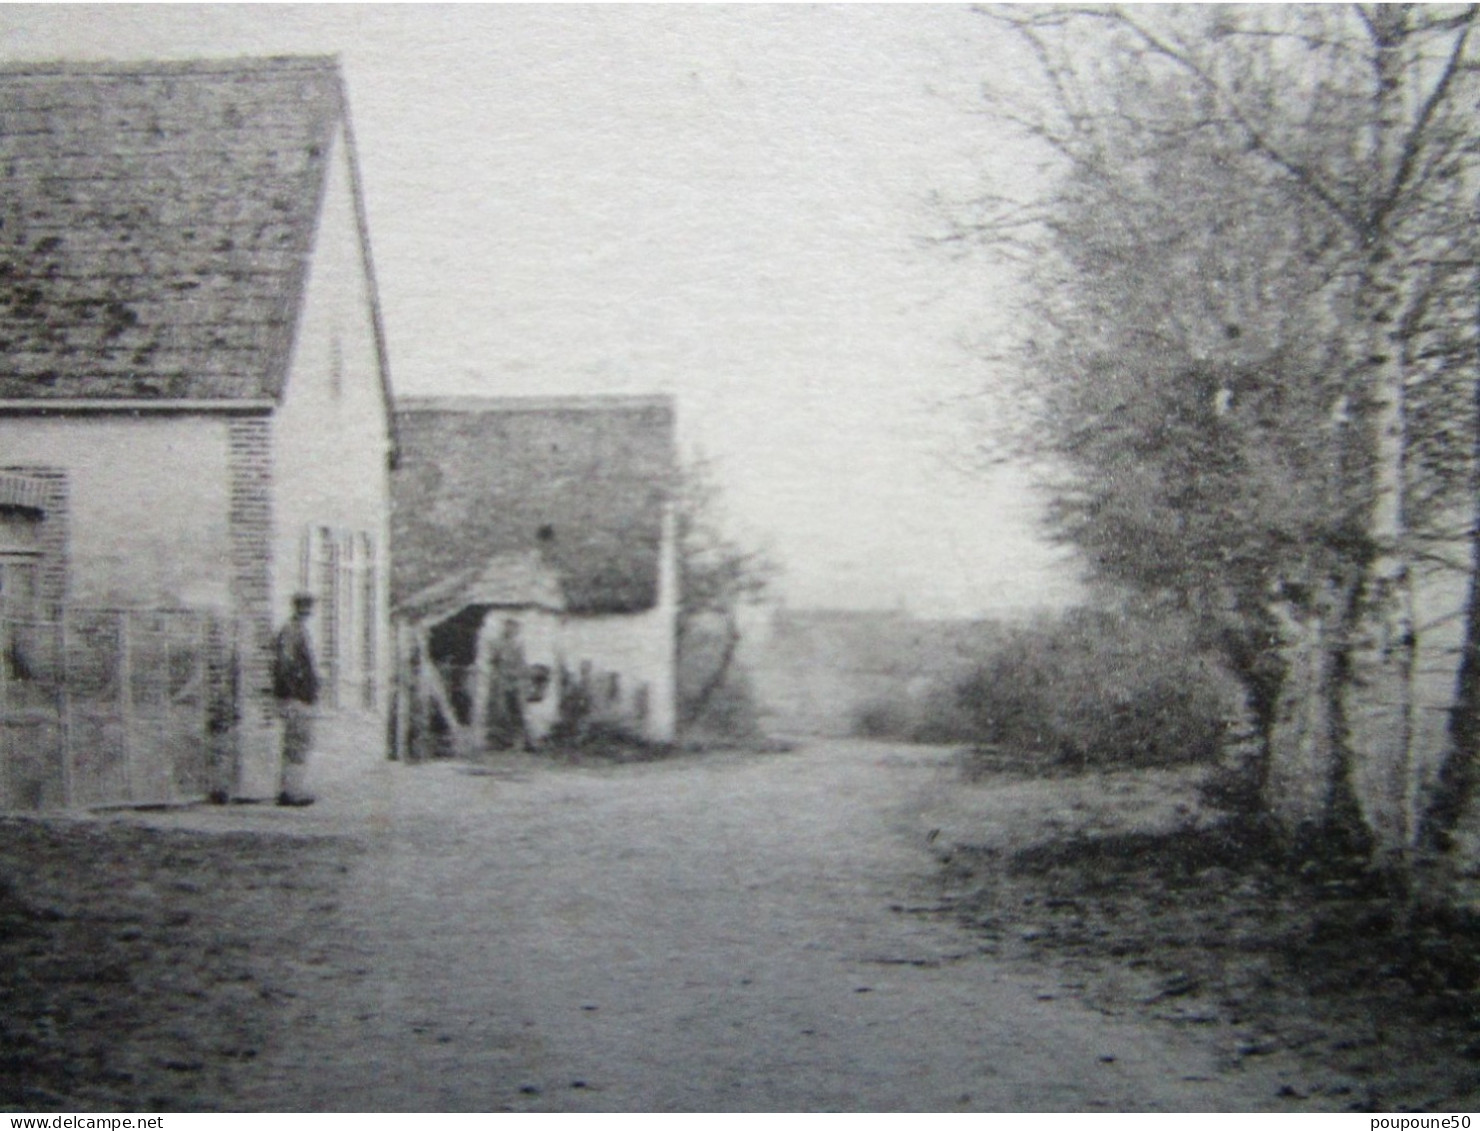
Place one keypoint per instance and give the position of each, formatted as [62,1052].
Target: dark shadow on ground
[1328,962]
[145,969]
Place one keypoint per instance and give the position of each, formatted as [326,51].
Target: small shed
[587,482]
[450,635]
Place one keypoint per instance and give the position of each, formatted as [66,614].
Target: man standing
[510,680]
[295,686]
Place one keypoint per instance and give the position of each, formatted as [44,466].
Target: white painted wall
[540,632]
[148,499]
[639,647]
[331,445]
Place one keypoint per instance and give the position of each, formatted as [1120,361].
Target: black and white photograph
[739,558]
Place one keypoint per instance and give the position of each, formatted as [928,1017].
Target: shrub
[934,717]
[606,740]
[886,718]
[731,712]
[1097,689]
[725,710]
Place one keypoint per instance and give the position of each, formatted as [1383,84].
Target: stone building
[585,482]
[194,398]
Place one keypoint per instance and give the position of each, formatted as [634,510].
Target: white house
[586,483]
[194,398]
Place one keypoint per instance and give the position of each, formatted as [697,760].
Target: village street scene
[739,558]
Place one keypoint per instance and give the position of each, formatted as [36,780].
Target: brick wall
[46,489]
[249,457]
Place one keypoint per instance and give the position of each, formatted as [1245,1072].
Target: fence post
[64,713]
[421,719]
[401,691]
[7,742]
[126,702]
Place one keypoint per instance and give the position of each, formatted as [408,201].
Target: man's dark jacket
[293,675]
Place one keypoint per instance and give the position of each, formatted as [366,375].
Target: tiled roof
[155,221]
[482,477]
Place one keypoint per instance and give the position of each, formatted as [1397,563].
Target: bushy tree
[1245,245]
[1099,689]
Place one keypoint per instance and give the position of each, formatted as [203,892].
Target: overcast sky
[722,203]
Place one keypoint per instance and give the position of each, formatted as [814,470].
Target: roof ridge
[223,65]
[543,403]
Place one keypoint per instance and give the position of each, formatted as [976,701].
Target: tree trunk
[1456,780]
[1346,829]
[694,709]
[1376,693]
[1309,788]
[1261,672]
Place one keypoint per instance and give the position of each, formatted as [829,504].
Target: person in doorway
[295,686]
[510,679]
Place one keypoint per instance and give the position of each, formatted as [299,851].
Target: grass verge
[1370,1004]
[145,969]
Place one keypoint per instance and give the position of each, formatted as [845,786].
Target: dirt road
[705,934]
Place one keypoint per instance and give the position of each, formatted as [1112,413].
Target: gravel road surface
[711,933]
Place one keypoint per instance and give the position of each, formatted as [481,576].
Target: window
[365,561]
[319,575]
[20,559]
[339,570]
[18,583]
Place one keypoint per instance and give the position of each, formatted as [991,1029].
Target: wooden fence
[114,707]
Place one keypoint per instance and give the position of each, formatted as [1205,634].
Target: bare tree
[716,578]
